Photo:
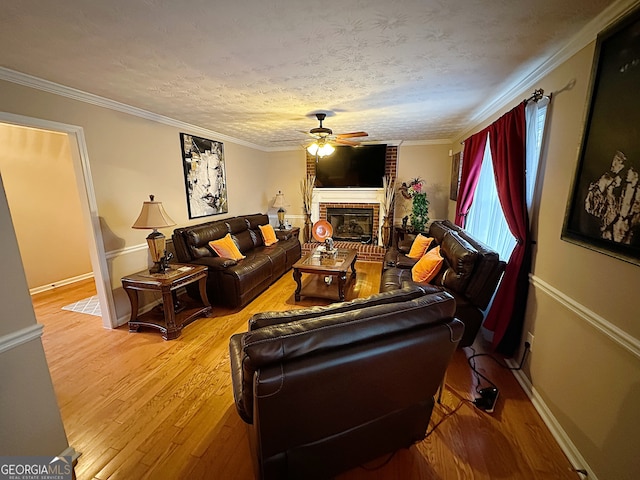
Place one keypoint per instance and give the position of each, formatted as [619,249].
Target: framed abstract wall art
[603,212]
[455,176]
[204,176]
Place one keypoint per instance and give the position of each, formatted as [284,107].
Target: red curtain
[471,162]
[506,316]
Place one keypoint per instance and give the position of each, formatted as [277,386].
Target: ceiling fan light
[326,149]
[313,148]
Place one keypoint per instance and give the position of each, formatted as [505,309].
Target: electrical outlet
[530,340]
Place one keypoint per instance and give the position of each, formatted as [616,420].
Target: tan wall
[131,157]
[585,378]
[39,180]
[431,163]
[588,379]
[30,422]
[286,170]
[600,379]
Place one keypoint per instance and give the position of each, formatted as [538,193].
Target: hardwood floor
[136,406]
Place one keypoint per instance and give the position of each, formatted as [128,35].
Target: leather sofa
[234,283]
[471,272]
[325,389]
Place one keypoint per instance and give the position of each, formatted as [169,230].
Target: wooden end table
[174,315]
[330,267]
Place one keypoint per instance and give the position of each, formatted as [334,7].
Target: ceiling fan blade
[344,141]
[352,135]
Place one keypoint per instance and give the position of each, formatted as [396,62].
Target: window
[485,219]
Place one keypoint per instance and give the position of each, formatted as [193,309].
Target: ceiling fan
[323,136]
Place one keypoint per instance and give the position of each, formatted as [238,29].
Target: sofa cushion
[419,246]
[460,259]
[199,236]
[268,234]
[226,247]
[265,319]
[439,228]
[256,219]
[428,266]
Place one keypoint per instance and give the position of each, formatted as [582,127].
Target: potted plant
[419,201]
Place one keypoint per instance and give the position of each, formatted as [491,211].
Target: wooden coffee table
[330,267]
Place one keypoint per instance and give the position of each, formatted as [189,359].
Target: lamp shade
[279,202]
[153,216]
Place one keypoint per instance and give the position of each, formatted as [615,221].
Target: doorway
[83,184]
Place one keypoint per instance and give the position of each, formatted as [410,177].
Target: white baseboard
[568,447]
[60,283]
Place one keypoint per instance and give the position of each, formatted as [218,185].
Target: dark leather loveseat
[324,389]
[234,283]
[470,272]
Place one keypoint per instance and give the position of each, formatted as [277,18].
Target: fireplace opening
[351,224]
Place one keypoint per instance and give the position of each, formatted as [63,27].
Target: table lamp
[153,216]
[279,203]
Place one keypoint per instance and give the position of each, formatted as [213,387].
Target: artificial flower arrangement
[420,203]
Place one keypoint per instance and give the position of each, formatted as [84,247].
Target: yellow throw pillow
[268,234]
[419,246]
[428,266]
[226,247]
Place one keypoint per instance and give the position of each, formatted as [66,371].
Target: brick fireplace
[354,198]
[354,209]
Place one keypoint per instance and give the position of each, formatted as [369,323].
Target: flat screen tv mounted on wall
[352,167]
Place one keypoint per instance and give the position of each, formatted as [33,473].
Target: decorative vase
[420,212]
[307,228]
[386,231]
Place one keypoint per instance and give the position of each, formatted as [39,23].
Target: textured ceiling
[254,70]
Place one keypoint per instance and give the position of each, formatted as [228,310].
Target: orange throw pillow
[268,234]
[427,267]
[226,247]
[419,246]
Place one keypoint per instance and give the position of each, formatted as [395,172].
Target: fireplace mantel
[347,196]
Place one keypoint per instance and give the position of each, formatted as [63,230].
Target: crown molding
[584,37]
[441,141]
[64,91]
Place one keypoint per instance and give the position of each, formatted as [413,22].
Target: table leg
[353,267]
[169,315]
[202,284]
[297,276]
[342,280]
[133,300]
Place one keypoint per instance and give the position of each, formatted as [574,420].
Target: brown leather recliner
[471,273]
[324,389]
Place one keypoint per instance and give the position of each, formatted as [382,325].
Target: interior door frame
[88,203]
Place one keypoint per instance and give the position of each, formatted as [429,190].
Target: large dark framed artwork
[455,176]
[204,176]
[603,212]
